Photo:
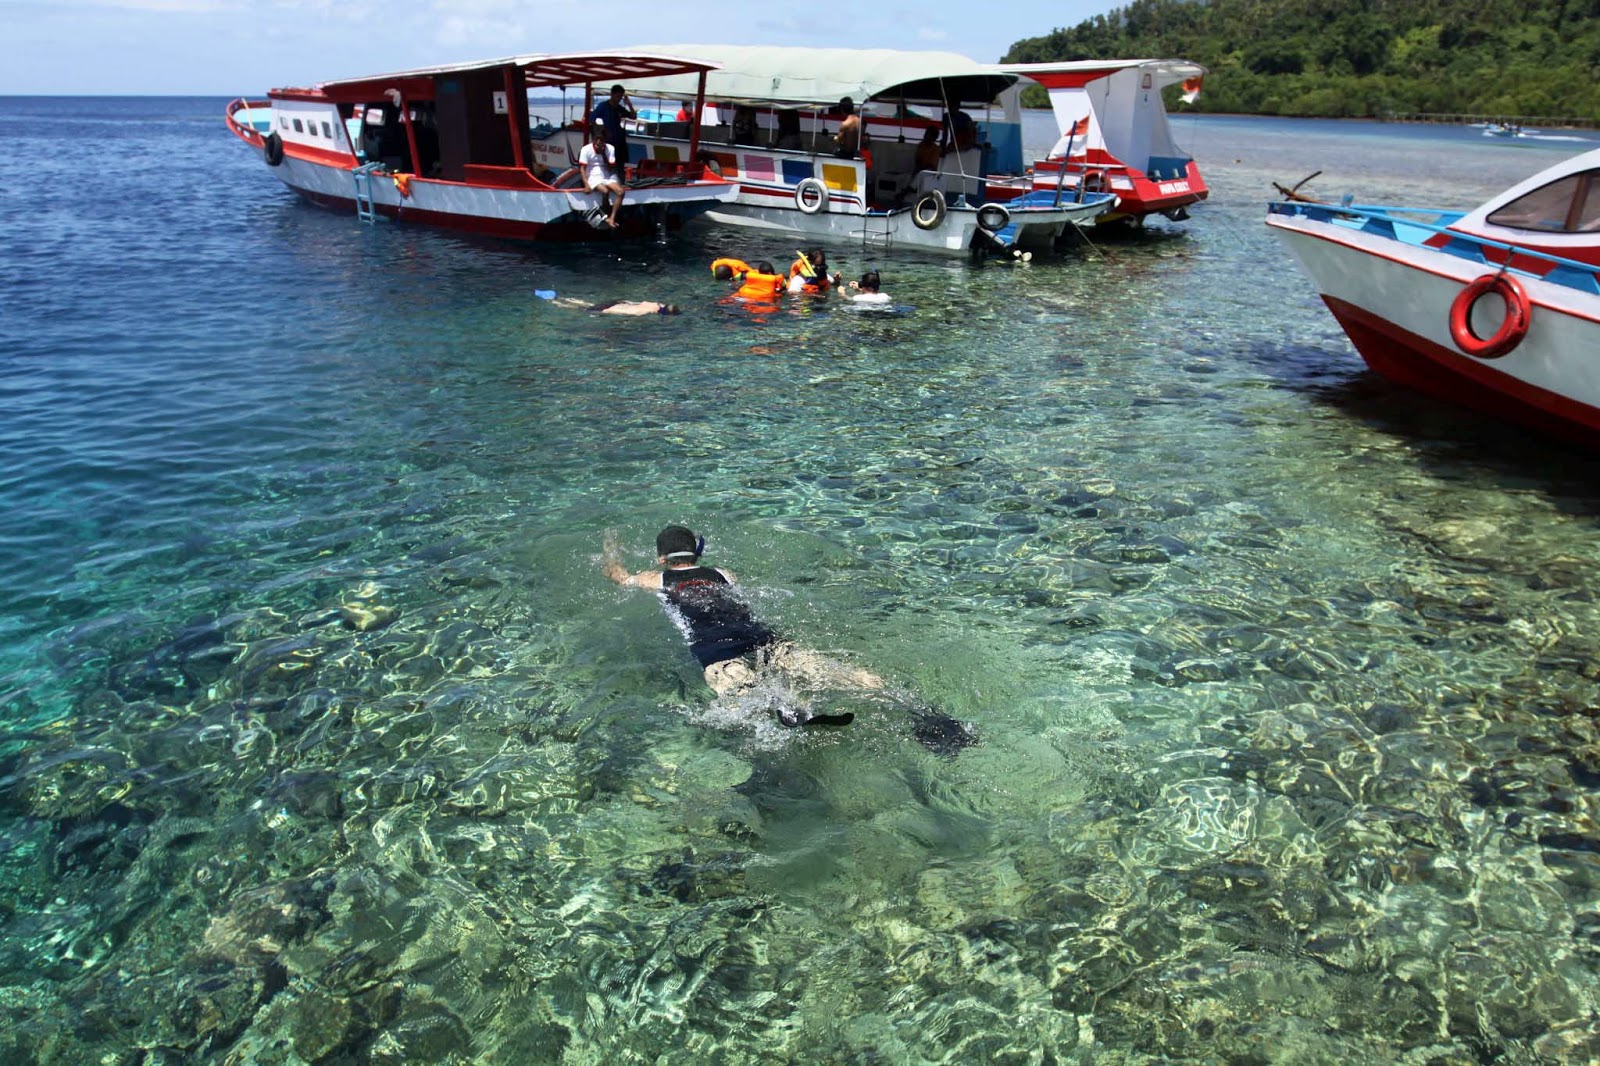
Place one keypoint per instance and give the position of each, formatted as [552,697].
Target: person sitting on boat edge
[866,291]
[597,162]
[737,651]
[809,273]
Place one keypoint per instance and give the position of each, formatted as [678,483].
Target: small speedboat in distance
[451,146]
[1115,135]
[1496,309]
[1495,129]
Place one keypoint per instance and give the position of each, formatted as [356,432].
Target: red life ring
[1512,329]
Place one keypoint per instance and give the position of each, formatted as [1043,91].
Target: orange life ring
[1512,329]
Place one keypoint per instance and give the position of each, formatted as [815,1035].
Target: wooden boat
[1496,309]
[768,123]
[1115,135]
[451,146]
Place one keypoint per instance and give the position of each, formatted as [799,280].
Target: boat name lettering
[1173,186]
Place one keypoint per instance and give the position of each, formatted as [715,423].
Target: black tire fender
[993,217]
[928,211]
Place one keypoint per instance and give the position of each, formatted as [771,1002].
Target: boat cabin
[772,114]
[467,123]
[1556,212]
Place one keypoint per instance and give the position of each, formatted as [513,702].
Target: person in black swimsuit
[736,649]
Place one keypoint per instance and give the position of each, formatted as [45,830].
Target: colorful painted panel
[763,167]
[667,153]
[797,170]
[728,162]
[840,176]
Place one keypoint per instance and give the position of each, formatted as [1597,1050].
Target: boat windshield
[1570,204]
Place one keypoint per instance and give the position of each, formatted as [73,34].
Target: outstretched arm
[611,566]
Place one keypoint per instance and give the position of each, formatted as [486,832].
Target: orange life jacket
[738,266]
[761,286]
[802,268]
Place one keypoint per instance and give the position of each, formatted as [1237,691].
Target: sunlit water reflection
[328,742]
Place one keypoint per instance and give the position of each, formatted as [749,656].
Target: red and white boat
[1115,136]
[1496,309]
[452,146]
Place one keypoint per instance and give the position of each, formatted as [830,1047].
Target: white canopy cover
[820,77]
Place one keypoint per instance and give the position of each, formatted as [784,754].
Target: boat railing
[1382,220]
[246,130]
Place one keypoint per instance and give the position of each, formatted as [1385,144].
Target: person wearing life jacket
[809,273]
[761,282]
[726,268]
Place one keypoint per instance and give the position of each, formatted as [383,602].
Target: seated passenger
[788,136]
[744,125]
[928,151]
[961,132]
[598,162]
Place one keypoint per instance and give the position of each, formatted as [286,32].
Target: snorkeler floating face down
[738,651]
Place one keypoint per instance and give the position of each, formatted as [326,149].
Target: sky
[244,47]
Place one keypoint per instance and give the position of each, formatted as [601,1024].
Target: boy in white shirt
[595,162]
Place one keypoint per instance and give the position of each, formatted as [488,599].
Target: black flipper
[798,718]
[830,719]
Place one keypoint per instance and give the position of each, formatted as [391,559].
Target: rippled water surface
[326,741]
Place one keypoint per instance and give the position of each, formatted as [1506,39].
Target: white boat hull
[1394,300]
[776,206]
[497,201]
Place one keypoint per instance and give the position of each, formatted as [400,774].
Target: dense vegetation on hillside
[1358,57]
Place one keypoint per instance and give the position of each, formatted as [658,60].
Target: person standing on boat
[597,162]
[610,113]
[847,142]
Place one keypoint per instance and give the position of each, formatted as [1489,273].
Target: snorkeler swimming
[629,308]
[736,650]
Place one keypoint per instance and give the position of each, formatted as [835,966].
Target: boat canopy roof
[819,77]
[538,71]
[1077,74]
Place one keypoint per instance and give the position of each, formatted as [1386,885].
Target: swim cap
[679,542]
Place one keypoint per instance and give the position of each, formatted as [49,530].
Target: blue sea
[325,740]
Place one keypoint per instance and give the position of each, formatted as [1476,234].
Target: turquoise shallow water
[326,741]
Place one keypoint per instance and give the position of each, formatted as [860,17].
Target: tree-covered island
[1334,58]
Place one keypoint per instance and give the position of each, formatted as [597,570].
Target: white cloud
[930,33]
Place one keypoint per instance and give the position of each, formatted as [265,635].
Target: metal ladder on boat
[363,180]
[875,231]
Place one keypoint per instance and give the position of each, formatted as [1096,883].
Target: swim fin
[794,718]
